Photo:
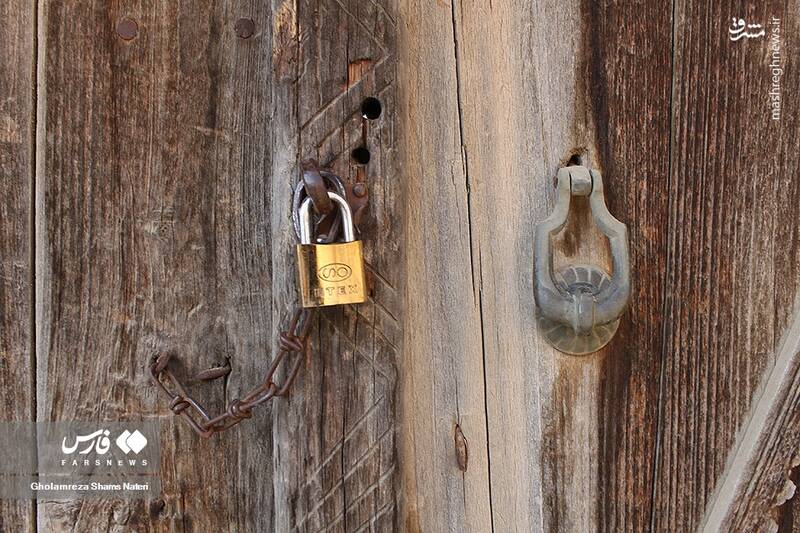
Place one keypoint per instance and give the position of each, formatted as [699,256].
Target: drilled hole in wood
[360,155]
[575,160]
[578,158]
[371,108]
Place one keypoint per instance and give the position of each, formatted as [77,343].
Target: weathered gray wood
[496,105]
[757,479]
[163,223]
[17,71]
[733,254]
[168,162]
[153,229]
[335,437]
[442,385]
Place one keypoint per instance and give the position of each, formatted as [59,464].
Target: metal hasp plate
[578,307]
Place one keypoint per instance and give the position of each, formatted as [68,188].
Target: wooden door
[149,151]
[677,116]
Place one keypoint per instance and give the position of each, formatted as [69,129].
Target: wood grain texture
[153,234]
[165,167]
[17,71]
[733,253]
[163,213]
[759,479]
[335,459]
[570,439]
[787,514]
[442,365]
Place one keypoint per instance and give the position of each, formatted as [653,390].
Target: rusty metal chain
[292,342]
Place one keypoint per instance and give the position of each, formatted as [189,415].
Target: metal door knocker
[579,306]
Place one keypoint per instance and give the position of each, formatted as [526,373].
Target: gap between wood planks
[36,71]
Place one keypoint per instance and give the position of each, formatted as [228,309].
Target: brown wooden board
[335,437]
[733,260]
[165,156]
[17,115]
[757,492]
[153,233]
[168,163]
[442,390]
[515,90]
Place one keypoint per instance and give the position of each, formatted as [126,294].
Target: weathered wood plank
[17,70]
[157,229]
[757,480]
[787,514]
[153,224]
[570,440]
[733,253]
[597,94]
[442,390]
[335,437]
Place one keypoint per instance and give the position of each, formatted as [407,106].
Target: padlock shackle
[306,230]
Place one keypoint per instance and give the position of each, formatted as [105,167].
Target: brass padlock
[330,274]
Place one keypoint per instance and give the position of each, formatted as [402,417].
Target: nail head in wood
[127,28]
[245,28]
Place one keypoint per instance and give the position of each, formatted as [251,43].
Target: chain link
[292,342]
[292,347]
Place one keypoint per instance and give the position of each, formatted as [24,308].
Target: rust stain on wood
[285,45]
[356,70]
[462,449]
